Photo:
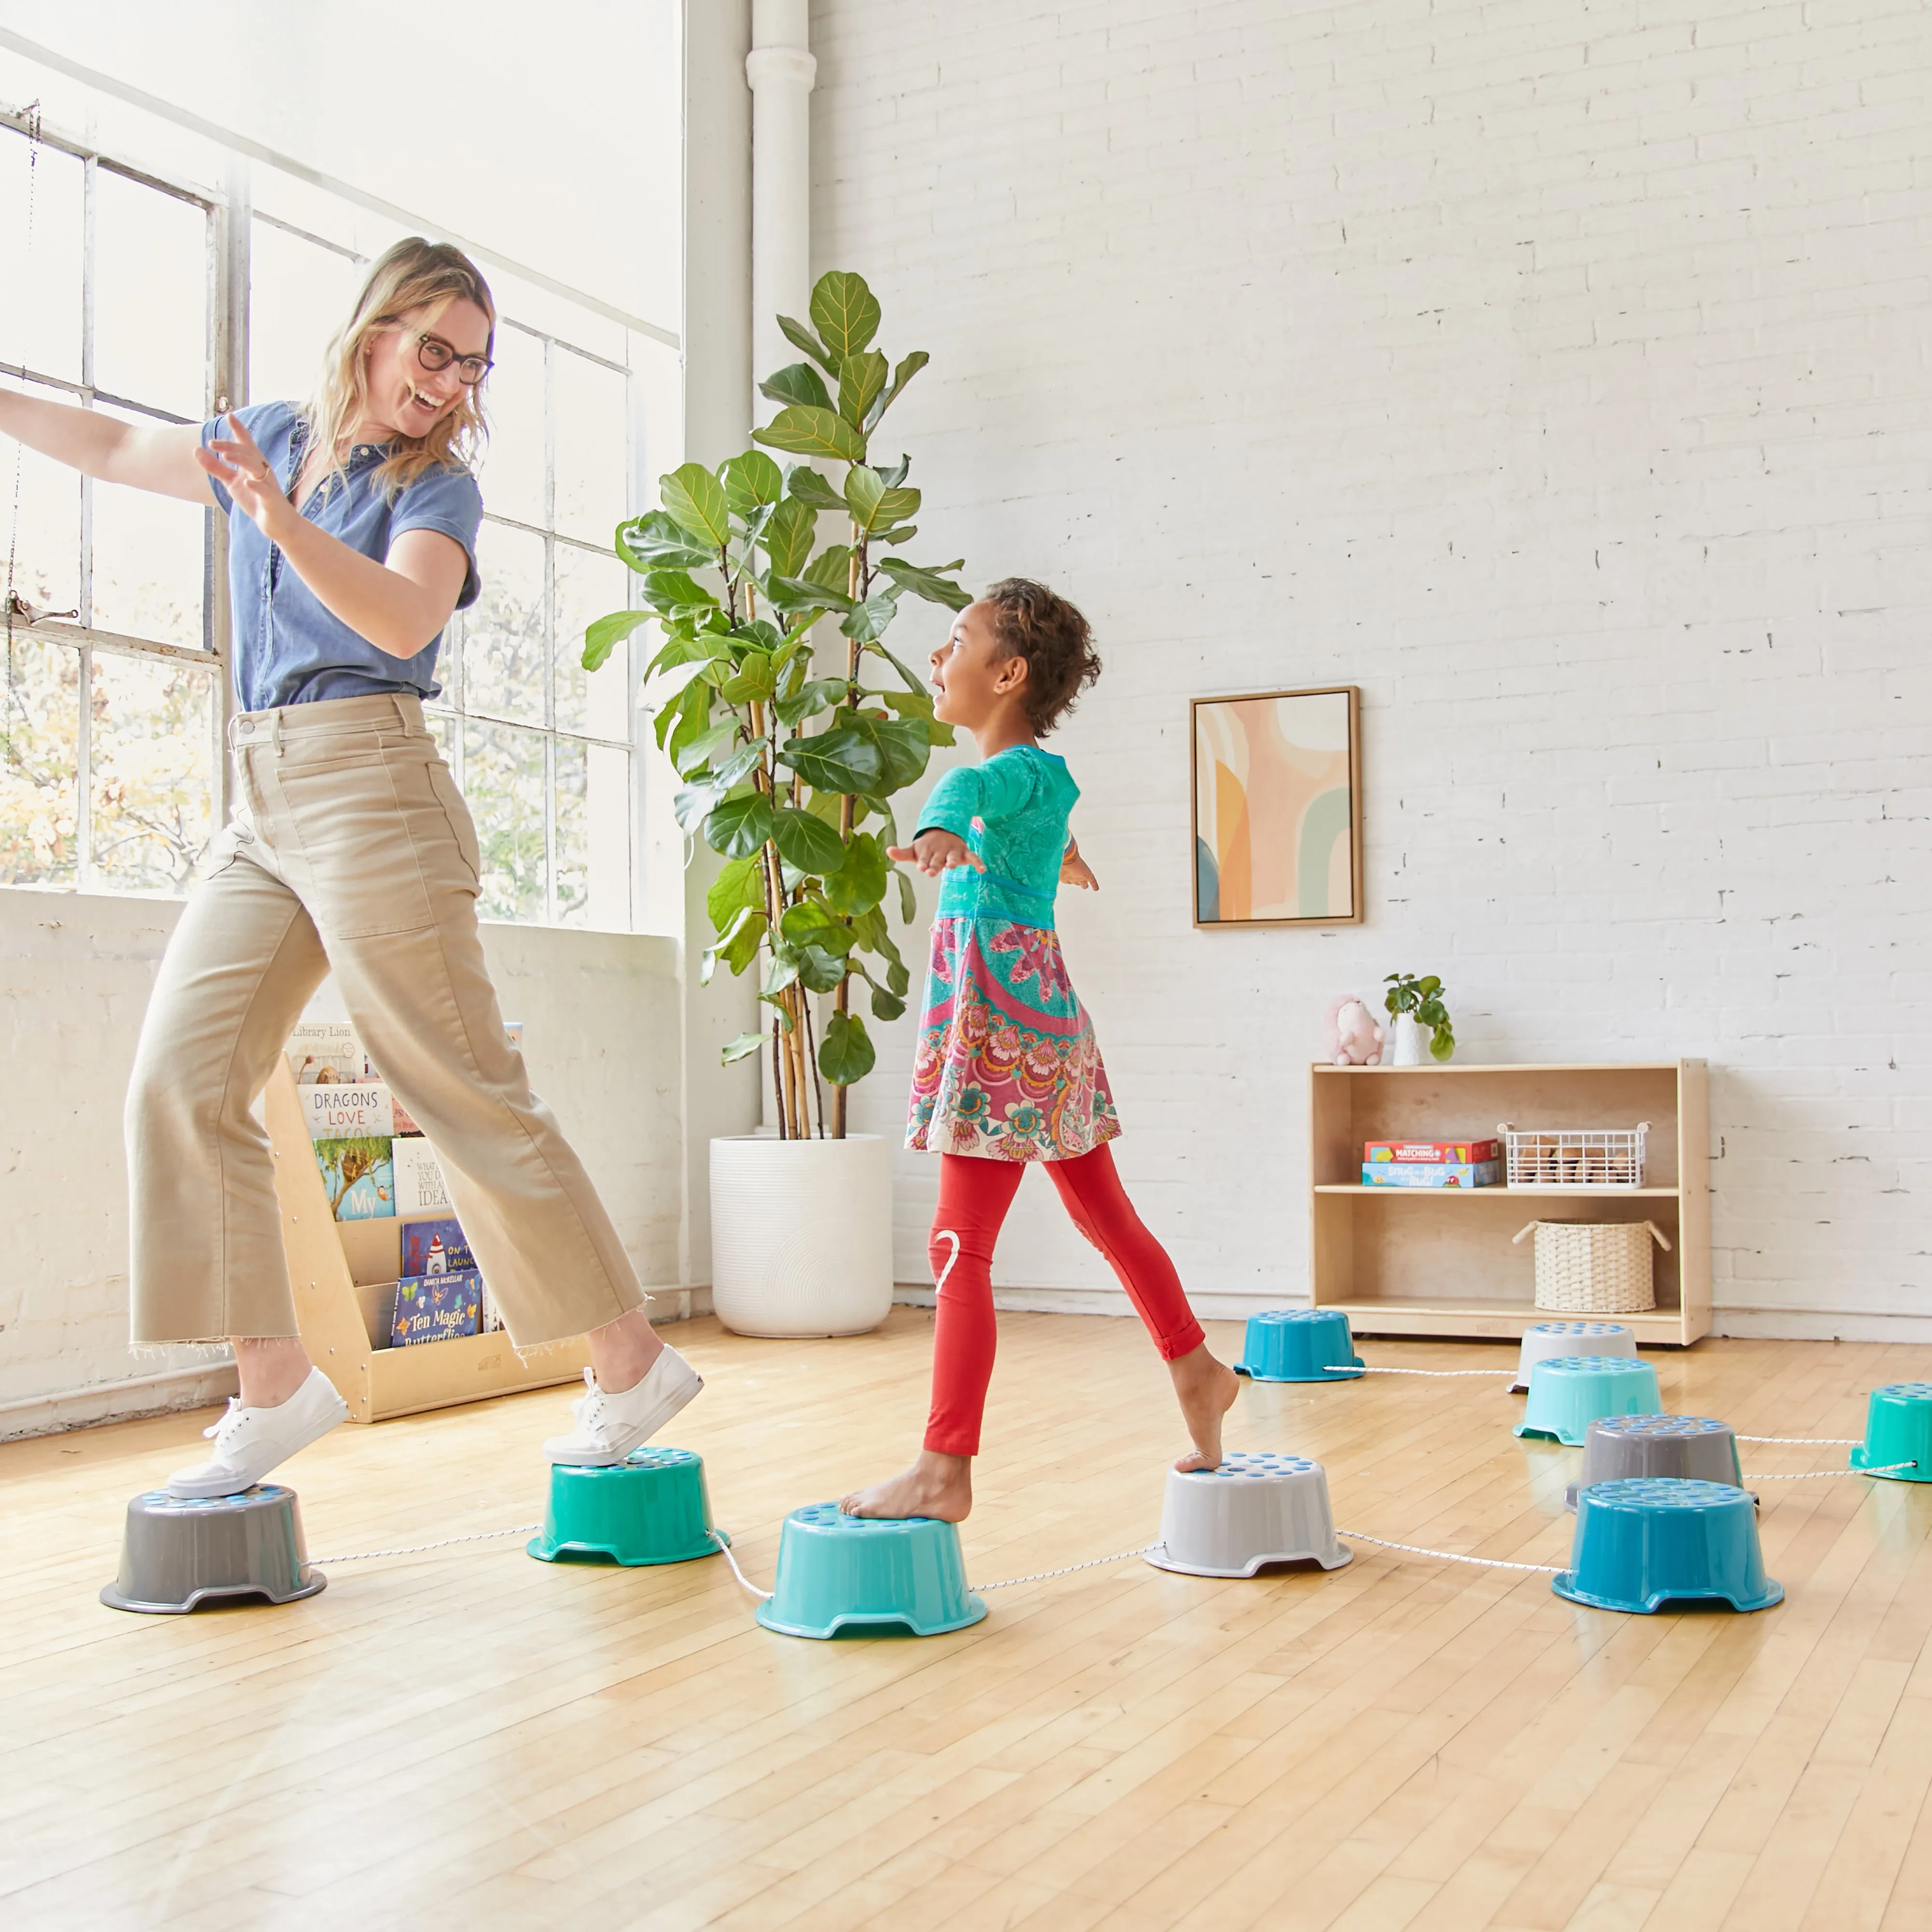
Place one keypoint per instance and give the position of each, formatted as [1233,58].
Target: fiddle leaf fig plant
[789,764]
[1422,1001]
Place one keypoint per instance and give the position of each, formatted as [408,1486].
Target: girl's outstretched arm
[1074,870]
[157,457]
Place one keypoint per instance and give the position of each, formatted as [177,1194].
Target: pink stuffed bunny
[1354,1039]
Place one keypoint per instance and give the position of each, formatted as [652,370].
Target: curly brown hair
[1056,640]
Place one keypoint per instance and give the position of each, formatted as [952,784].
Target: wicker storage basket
[1595,1267]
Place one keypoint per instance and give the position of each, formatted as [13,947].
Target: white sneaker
[610,1426]
[249,1442]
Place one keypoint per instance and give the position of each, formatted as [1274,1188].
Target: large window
[152,298]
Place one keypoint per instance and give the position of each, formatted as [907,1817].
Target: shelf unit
[330,1261]
[1417,1261]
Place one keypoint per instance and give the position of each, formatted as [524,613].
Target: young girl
[1008,1070]
[352,526]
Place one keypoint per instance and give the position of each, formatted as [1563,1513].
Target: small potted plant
[1414,1005]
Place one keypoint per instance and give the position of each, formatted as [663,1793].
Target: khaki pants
[351,849]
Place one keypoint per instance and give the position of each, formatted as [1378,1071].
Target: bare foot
[936,1486]
[1206,1390]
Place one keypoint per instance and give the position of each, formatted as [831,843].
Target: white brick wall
[1556,372]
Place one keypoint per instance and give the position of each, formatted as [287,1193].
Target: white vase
[801,1234]
[1411,1041]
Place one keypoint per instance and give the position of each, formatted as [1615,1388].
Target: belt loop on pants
[275,728]
[412,727]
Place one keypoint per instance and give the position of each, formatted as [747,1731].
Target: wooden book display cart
[339,1268]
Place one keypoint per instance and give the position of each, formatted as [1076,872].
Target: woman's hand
[934,852]
[1075,871]
[238,465]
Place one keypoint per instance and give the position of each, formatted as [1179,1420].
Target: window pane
[593,836]
[46,548]
[149,564]
[39,748]
[152,768]
[503,780]
[503,630]
[298,295]
[43,333]
[150,295]
[592,444]
[511,473]
[595,702]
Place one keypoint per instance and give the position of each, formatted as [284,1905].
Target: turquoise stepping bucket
[1298,1344]
[1649,1540]
[652,1507]
[878,1576]
[1898,1429]
[1568,1393]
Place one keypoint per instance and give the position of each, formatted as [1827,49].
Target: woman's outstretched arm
[159,456]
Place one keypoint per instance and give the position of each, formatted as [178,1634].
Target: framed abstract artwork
[1277,817]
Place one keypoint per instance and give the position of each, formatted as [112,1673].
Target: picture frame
[1275,784]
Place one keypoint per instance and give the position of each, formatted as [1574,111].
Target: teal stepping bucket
[1298,1344]
[1646,1541]
[652,1507]
[1568,1393]
[1898,1429]
[877,1576]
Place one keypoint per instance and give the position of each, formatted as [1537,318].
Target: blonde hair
[415,274]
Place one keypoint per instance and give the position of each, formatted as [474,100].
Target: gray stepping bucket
[1693,1448]
[178,1552]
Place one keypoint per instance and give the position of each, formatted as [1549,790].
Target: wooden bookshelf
[1415,1260]
[329,1261]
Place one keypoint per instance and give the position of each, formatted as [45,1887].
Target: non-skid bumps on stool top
[177,1552]
[1251,1510]
[1568,1393]
[1898,1429]
[1298,1344]
[1546,1339]
[858,1574]
[1692,1447]
[1646,1542]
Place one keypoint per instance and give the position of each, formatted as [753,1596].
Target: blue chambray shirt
[289,648]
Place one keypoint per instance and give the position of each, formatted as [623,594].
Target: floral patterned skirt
[1007,1066]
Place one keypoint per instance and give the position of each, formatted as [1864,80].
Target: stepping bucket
[883,1575]
[1549,1339]
[652,1507]
[1898,1429]
[1252,1510]
[1644,1543]
[1691,1448]
[1568,1393]
[1298,1345]
[178,1552]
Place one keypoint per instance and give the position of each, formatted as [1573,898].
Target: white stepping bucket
[1549,1339]
[1253,1510]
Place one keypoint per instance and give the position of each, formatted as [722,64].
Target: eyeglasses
[436,354]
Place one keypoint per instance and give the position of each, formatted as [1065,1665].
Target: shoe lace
[218,1431]
[589,1407]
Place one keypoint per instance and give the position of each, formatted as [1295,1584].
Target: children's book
[1432,1174]
[358,1176]
[435,1247]
[420,1187]
[435,1308]
[360,1112]
[326,1053]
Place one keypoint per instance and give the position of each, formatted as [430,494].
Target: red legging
[974,1194]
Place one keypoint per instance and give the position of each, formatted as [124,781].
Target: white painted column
[781,70]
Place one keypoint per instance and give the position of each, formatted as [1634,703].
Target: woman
[352,534]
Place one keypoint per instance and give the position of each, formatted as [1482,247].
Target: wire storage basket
[1574,1157]
[1595,1267]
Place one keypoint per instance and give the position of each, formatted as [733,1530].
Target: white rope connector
[418,1549]
[1799,1475]
[1370,1368]
[1041,1576]
[1449,1556]
[724,1550]
[1807,1442]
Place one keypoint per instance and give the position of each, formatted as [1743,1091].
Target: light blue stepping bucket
[1647,1541]
[878,1576]
[1898,1429]
[652,1507]
[1298,1344]
[1568,1393]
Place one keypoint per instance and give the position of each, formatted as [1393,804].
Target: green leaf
[868,620]
[904,534]
[742,1047]
[844,312]
[863,491]
[908,905]
[693,757]
[902,375]
[739,825]
[602,635]
[753,681]
[655,540]
[924,581]
[696,499]
[680,720]
[807,487]
[677,590]
[806,841]
[861,378]
[810,699]
[832,568]
[887,1006]
[821,970]
[797,382]
[750,480]
[904,747]
[737,945]
[848,1053]
[739,887]
[805,431]
[859,882]
[781,970]
[894,505]
[800,337]
[794,594]
[788,537]
[839,760]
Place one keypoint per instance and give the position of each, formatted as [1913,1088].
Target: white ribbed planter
[801,1234]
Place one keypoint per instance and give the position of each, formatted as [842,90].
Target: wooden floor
[472,1739]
